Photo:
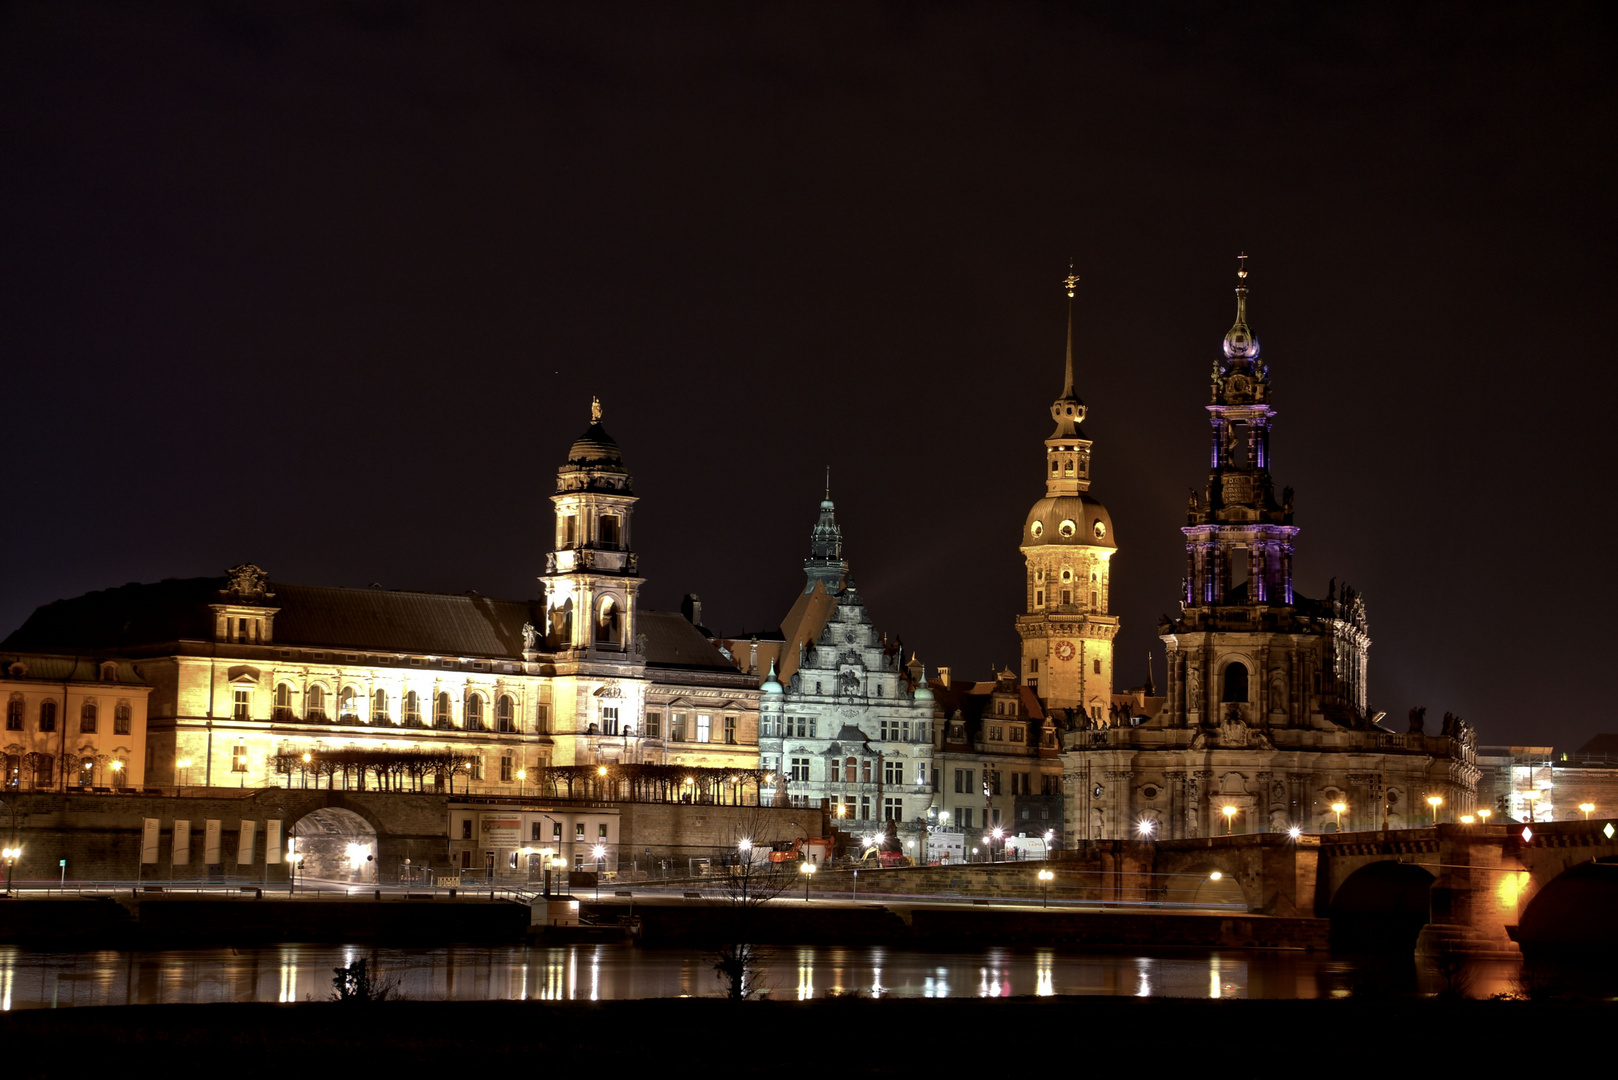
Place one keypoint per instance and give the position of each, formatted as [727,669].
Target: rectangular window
[730,730]
[570,530]
[812,734]
[654,725]
[677,727]
[578,831]
[997,815]
[609,532]
[601,831]
[14,714]
[703,721]
[865,808]
[1016,733]
[905,731]
[241,707]
[921,773]
[893,772]
[466,829]
[1067,596]
[994,781]
[893,809]
[505,770]
[542,720]
[238,759]
[1098,665]
[800,769]
[1033,664]
[996,733]
[609,720]
[1039,598]
[556,832]
[533,832]
[966,817]
[865,771]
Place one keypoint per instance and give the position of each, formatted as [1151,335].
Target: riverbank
[848,1036]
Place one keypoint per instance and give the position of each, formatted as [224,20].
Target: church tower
[591,575]
[1067,545]
[1247,648]
[825,561]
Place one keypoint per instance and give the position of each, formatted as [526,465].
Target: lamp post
[117,767]
[1338,808]
[1045,877]
[293,859]
[999,836]
[11,855]
[1230,818]
[600,853]
[1587,807]
[807,869]
[185,770]
[303,773]
[1435,802]
[522,777]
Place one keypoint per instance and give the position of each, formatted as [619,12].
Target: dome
[593,447]
[772,685]
[1068,521]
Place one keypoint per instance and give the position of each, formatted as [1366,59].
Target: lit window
[241,706]
[703,723]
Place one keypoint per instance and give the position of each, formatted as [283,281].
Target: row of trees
[420,768]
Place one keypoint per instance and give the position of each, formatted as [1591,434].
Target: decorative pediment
[247,584]
[243,674]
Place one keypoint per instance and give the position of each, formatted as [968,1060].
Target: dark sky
[328,288]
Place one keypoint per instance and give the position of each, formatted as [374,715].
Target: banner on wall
[244,846]
[210,841]
[272,841]
[182,842]
[150,832]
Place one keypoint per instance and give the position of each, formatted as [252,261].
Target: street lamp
[185,770]
[600,853]
[11,855]
[118,767]
[1435,802]
[999,835]
[293,858]
[1144,827]
[1467,819]
[1294,832]
[1230,818]
[807,869]
[1338,808]
[1045,877]
[1485,815]
[522,775]
[1587,807]
[303,773]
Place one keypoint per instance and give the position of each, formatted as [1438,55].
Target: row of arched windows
[474,709]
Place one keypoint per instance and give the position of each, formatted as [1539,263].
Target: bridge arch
[1571,914]
[1382,906]
[1188,878]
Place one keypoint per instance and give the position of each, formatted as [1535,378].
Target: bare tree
[752,878]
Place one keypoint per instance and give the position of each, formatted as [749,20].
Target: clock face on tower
[1064,650]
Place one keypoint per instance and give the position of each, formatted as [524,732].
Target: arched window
[1235,682]
[47,716]
[379,707]
[14,713]
[44,764]
[607,623]
[314,705]
[443,715]
[474,712]
[412,709]
[87,718]
[121,717]
[850,770]
[283,701]
[505,715]
[348,705]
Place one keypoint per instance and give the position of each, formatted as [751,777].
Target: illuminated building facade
[72,723]
[1264,724]
[241,669]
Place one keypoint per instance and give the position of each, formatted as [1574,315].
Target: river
[31,979]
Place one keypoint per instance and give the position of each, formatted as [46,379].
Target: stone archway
[1571,915]
[1381,907]
[1210,886]
[336,845]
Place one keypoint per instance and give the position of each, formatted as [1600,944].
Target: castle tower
[825,561]
[1067,544]
[590,575]
[1246,647]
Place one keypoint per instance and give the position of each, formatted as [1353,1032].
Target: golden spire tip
[1070,281]
[1241,266]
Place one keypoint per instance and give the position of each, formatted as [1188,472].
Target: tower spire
[1240,344]
[1070,281]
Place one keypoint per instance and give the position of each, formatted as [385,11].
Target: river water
[40,979]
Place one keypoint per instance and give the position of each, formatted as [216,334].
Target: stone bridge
[1478,889]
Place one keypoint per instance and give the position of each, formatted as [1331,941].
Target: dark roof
[434,623]
[671,641]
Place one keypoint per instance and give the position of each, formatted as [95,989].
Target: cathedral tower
[825,562]
[1246,646]
[590,576]
[1067,544]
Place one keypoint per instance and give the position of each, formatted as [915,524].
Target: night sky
[328,288]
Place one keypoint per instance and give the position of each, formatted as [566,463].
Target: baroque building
[1264,725]
[224,677]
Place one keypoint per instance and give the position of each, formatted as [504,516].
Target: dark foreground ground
[827,1037]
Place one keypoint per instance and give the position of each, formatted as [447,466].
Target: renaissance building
[1264,725]
[223,681]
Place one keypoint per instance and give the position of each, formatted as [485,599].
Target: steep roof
[141,618]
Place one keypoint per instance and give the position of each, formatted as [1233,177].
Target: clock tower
[1067,546]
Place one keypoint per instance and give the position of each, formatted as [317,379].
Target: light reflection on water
[287,973]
